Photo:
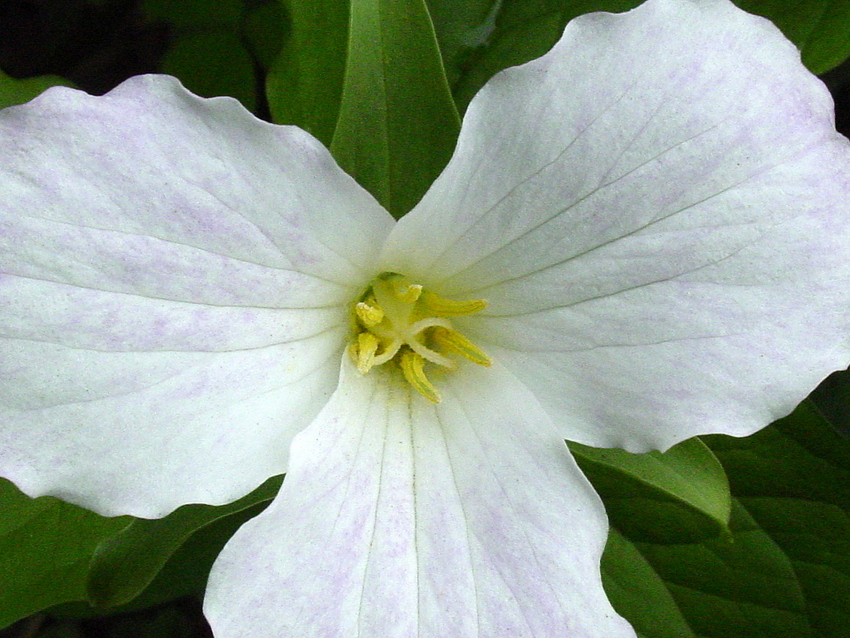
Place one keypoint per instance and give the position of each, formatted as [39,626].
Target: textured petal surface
[399,518]
[657,211]
[174,280]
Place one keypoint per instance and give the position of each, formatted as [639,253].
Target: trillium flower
[642,236]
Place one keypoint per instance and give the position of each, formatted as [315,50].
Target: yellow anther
[413,367]
[453,341]
[403,289]
[442,307]
[369,314]
[367,346]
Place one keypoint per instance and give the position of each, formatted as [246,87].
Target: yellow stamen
[452,340]
[442,307]
[403,289]
[397,322]
[413,367]
[367,346]
[370,314]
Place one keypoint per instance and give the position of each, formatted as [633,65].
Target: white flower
[656,212]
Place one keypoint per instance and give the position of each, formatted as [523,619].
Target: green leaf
[630,578]
[264,29]
[684,488]
[14,91]
[213,63]
[461,26]
[832,397]
[819,28]
[45,549]
[188,568]
[126,564]
[739,587]
[782,572]
[397,123]
[304,85]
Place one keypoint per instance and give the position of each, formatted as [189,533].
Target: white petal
[403,519]
[173,284]
[656,212]
[150,159]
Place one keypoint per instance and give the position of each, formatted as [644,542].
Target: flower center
[396,320]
